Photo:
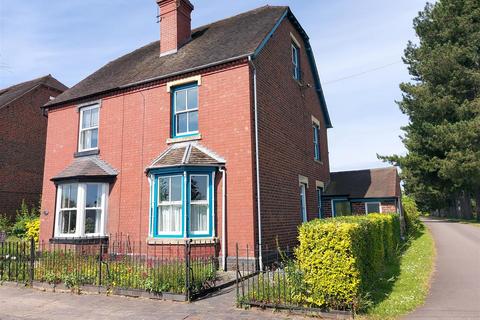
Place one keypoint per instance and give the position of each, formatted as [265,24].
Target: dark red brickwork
[286,138]
[23,130]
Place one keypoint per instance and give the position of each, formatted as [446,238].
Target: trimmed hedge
[340,256]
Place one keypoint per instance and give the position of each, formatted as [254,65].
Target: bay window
[81,209]
[183,205]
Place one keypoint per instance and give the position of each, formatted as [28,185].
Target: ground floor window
[81,209]
[341,208]
[303,201]
[373,207]
[319,201]
[182,203]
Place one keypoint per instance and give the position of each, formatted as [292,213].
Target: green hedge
[340,256]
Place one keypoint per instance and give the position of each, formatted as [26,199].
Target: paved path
[23,303]
[455,290]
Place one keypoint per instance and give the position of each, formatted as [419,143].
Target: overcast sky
[358,47]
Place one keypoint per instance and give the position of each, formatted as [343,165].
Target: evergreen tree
[443,105]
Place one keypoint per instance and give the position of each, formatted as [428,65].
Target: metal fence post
[100,253]
[32,260]
[187,270]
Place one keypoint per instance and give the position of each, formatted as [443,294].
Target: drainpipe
[224,216]
[257,165]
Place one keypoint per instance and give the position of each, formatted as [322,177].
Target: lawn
[404,285]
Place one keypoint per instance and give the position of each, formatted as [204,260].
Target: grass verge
[405,283]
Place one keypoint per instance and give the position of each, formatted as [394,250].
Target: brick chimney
[175,24]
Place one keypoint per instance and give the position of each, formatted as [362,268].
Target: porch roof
[87,167]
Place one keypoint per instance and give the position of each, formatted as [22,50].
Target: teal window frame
[186,173]
[319,199]
[316,142]
[175,113]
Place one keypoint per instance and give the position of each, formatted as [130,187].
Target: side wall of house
[134,128]
[285,110]
[23,130]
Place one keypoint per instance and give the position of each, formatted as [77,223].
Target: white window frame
[81,211]
[303,201]
[316,142]
[296,61]
[319,191]
[81,129]
[379,206]
[201,202]
[170,203]
[334,212]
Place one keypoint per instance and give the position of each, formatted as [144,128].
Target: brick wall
[22,148]
[286,138]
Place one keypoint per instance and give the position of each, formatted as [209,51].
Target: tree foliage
[442,102]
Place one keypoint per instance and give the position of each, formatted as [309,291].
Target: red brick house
[214,134]
[23,130]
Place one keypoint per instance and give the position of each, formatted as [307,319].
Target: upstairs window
[316,142]
[88,134]
[185,110]
[296,61]
[303,201]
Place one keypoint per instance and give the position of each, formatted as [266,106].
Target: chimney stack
[175,24]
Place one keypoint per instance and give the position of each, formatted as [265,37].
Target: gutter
[257,165]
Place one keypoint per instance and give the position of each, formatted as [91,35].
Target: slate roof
[87,167]
[186,154]
[14,92]
[370,183]
[231,38]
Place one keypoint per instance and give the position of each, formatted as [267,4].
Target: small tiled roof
[370,183]
[231,38]
[186,154]
[87,167]
[14,92]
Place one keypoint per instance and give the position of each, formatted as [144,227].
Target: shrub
[24,216]
[33,229]
[411,214]
[340,257]
[5,224]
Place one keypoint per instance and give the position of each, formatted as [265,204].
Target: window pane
[92,221]
[373,207]
[69,196]
[193,121]
[192,101]
[182,123]
[169,219]
[342,208]
[199,188]
[94,117]
[86,118]
[68,221]
[176,189]
[86,139]
[94,196]
[163,189]
[199,218]
[180,100]
[93,138]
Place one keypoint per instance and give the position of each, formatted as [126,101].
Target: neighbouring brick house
[362,191]
[23,130]
[217,133]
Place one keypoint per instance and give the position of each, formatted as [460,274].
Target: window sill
[318,161]
[180,241]
[86,153]
[79,240]
[193,137]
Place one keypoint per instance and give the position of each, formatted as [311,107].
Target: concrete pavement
[455,288]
